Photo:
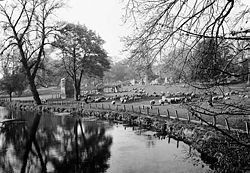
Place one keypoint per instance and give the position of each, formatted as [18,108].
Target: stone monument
[63,88]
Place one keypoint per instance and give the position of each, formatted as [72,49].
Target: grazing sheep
[152,102]
[234,92]
[161,102]
[121,99]
[124,100]
[44,101]
[113,102]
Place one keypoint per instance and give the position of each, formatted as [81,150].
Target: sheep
[121,99]
[124,101]
[152,102]
[234,92]
[163,98]
[161,102]
[168,100]
[44,101]
[113,102]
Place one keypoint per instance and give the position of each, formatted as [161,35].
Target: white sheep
[113,102]
[161,102]
[152,102]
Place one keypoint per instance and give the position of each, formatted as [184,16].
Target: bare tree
[27,26]
[170,24]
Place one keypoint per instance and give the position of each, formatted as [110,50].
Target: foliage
[212,61]
[13,83]
[120,71]
[206,61]
[173,65]
[14,79]
[51,73]
[81,52]
[141,60]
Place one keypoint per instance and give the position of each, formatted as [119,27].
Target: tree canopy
[82,53]
[13,83]
[120,71]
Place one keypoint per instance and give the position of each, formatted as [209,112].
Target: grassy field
[172,109]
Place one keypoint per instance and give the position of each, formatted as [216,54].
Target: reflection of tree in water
[13,138]
[54,146]
[93,150]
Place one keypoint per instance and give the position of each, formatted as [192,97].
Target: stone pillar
[63,89]
[166,80]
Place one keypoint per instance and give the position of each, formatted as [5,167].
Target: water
[67,144]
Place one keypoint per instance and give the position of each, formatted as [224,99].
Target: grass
[237,121]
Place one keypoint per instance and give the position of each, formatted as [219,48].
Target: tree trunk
[10,94]
[77,91]
[34,91]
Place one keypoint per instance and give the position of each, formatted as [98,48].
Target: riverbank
[221,149]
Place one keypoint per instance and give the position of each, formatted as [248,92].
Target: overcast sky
[102,16]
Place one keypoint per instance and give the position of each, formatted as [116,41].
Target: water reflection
[139,150]
[47,143]
[53,144]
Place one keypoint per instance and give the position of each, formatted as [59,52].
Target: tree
[82,53]
[28,28]
[168,25]
[14,79]
[206,61]
[120,71]
[50,72]
[13,83]
[141,60]
[172,65]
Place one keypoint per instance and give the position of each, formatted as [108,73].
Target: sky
[247,2]
[102,16]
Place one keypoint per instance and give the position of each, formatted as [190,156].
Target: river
[48,143]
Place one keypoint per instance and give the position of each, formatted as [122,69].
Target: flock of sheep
[139,94]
